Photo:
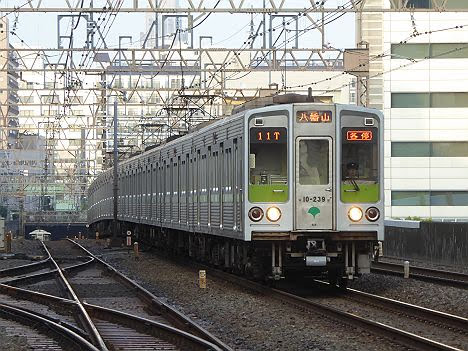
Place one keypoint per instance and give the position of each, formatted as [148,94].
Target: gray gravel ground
[419,263]
[244,319]
[443,298]
[25,249]
[251,321]
[10,342]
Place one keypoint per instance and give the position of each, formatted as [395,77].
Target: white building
[421,83]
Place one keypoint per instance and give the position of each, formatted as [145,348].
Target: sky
[227,30]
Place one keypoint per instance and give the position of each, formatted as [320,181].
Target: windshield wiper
[354,184]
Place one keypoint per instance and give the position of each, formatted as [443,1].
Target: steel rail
[163,331]
[45,299]
[26,268]
[68,326]
[38,322]
[147,326]
[31,278]
[453,321]
[448,319]
[393,334]
[83,316]
[431,275]
[177,318]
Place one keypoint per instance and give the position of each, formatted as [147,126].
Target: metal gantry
[202,7]
[66,92]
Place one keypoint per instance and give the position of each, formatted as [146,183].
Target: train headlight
[256,214]
[355,214]
[372,214]
[273,214]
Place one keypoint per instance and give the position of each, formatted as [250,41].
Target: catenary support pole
[115,180]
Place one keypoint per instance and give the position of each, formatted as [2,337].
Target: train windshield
[360,165]
[268,165]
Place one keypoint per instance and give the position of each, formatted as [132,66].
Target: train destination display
[313,116]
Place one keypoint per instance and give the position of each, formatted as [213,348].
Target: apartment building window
[410,198]
[449,50]
[433,50]
[456,4]
[176,83]
[410,100]
[430,149]
[426,100]
[50,99]
[419,4]
[429,198]
[26,113]
[427,4]
[414,51]
[449,100]
[75,142]
[27,99]
[76,99]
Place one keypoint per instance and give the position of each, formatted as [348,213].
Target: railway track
[456,279]
[366,320]
[442,327]
[90,291]
[40,331]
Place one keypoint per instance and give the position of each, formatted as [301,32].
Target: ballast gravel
[424,264]
[243,319]
[11,342]
[434,296]
[248,320]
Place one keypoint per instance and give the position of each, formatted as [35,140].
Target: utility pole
[115,180]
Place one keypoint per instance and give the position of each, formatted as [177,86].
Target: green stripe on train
[366,193]
[265,193]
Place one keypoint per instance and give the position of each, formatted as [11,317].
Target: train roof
[274,100]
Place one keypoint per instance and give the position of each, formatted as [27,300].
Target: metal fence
[436,242]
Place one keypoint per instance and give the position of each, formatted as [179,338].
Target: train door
[314,183]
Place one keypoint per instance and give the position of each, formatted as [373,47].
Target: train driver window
[360,165]
[268,165]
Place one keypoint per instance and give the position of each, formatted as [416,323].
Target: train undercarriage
[337,257]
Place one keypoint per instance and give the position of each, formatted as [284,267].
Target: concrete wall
[436,242]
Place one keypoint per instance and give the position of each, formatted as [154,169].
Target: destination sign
[314,117]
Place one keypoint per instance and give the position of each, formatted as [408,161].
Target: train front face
[331,206]
[338,188]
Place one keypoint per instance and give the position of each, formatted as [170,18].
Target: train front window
[313,162]
[360,165]
[268,165]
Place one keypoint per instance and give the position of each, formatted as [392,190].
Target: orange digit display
[359,135]
[268,135]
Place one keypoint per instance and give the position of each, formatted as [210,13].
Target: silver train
[294,187]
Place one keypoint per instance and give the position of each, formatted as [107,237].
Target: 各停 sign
[359,135]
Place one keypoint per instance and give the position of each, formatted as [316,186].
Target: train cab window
[268,165]
[360,165]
